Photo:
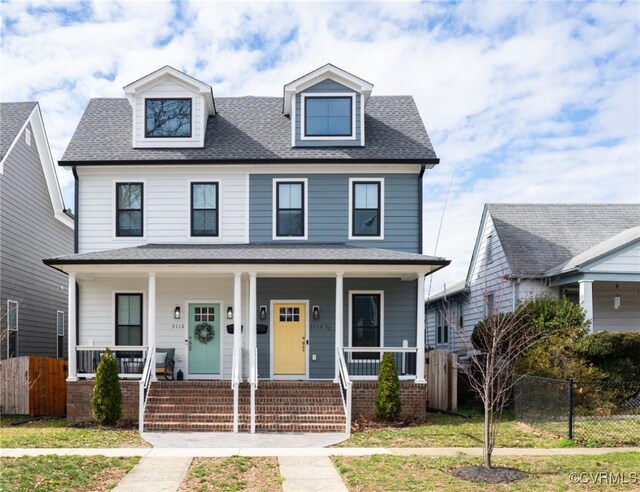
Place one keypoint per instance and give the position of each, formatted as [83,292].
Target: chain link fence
[596,412]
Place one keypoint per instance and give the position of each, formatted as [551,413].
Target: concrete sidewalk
[155,475]
[301,452]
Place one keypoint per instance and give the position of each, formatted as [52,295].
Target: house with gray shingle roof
[589,253]
[34,224]
[267,249]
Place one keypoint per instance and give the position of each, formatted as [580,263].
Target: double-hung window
[366,209]
[129,319]
[328,116]
[204,209]
[129,209]
[60,333]
[167,118]
[290,220]
[366,324]
[12,328]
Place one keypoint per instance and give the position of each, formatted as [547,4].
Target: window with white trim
[366,204]
[204,209]
[328,116]
[167,117]
[129,210]
[366,324]
[129,319]
[290,209]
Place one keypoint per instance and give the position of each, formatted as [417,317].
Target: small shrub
[107,394]
[388,404]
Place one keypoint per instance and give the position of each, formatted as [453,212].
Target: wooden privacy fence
[442,380]
[34,386]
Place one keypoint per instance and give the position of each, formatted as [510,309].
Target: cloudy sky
[524,102]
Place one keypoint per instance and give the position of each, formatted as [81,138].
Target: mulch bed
[498,474]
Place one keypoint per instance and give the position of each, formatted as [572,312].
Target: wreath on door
[204,332]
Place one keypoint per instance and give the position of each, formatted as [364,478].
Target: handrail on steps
[235,384]
[345,386]
[144,386]
[253,381]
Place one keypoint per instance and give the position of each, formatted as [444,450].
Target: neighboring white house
[589,253]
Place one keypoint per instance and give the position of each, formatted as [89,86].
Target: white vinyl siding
[166,206]
[97,311]
[624,261]
[626,317]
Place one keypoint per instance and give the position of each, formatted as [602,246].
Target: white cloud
[520,97]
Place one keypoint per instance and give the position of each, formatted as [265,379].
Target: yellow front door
[289,339]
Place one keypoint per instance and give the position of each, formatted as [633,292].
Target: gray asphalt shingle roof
[252,128]
[248,253]
[538,237]
[12,117]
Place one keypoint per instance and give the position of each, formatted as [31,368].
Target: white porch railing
[149,367]
[235,384]
[131,360]
[364,362]
[345,387]
[253,381]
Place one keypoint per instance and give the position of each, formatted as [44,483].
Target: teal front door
[204,339]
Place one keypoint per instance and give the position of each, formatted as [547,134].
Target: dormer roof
[327,71]
[167,72]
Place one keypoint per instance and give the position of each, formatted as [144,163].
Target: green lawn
[233,474]
[450,431]
[59,473]
[54,433]
[386,473]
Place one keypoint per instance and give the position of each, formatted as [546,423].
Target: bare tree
[492,352]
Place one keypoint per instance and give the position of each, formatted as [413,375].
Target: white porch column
[151,317]
[237,320]
[420,330]
[339,318]
[252,321]
[586,300]
[73,323]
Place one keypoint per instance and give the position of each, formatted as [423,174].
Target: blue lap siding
[399,315]
[328,214]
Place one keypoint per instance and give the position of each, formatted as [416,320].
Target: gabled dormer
[170,109]
[326,108]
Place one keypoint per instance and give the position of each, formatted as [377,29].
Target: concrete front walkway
[155,475]
[220,440]
[310,474]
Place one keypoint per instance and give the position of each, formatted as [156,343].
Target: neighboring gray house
[277,238]
[33,225]
[589,253]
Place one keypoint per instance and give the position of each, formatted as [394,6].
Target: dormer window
[328,116]
[167,118]
[170,110]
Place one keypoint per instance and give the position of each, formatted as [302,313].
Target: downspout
[75,208]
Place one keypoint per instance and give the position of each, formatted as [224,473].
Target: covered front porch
[242,323]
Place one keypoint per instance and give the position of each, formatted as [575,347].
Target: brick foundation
[79,401]
[412,395]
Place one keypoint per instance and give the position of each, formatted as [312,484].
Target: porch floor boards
[281,406]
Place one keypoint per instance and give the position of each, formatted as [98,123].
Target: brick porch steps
[281,406]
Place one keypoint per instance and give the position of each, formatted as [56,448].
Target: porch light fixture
[229,312]
[263,312]
[176,312]
[315,310]
[616,299]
